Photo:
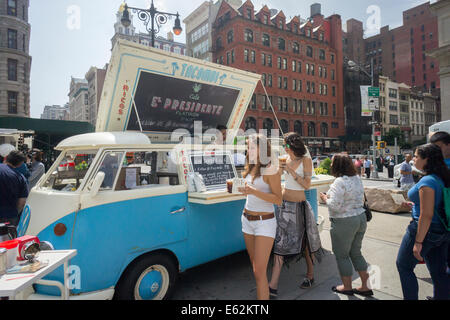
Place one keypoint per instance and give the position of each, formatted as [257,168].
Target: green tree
[392,134]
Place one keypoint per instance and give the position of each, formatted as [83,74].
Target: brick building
[400,53]
[301,66]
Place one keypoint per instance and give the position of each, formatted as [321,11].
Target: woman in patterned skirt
[297,231]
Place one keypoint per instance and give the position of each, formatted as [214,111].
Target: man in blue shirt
[442,140]
[13,189]
[407,180]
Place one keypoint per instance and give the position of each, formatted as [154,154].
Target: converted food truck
[121,196]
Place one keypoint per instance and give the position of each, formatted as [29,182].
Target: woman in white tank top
[297,232]
[263,190]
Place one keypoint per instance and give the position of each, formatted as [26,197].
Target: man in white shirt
[367,167]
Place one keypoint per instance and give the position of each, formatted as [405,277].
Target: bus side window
[110,166]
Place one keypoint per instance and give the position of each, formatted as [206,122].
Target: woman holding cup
[263,190]
[297,231]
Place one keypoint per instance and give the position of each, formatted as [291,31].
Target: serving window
[146,169]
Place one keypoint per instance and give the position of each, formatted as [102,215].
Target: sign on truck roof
[157,92]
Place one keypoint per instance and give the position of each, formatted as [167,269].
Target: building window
[294,65]
[392,93]
[12,8]
[332,58]
[322,54]
[309,51]
[279,62]
[280,103]
[334,110]
[335,125]
[393,106]
[250,123]
[12,39]
[324,129]
[280,79]
[265,19]
[12,70]
[311,67]
[266,40]
[281,44]
[248,35]
[268,125]
[253,102]
[294,84]
[230,36]
[219,43]
[393,119]
[246,57]
[228,58]
[269,60]
[253,56]
[296,48]
[299,85]
[270,81]
[311,129]
[284,125]
[308,33]
[284,64]
[249,13]
[298,128]
[12,102]
[285,83]
[263,78]
[263,59]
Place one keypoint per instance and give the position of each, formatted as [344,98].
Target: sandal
[273,292]
[346,292]
[307,283]
[363,293]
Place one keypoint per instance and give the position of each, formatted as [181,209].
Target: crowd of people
[289,230]
[280,220]
[19,173]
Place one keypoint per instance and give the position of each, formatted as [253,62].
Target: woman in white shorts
[259,225]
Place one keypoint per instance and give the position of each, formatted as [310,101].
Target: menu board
[165,104]
[216,168]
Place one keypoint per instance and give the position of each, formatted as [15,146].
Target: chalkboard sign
[165,104]
[215,168]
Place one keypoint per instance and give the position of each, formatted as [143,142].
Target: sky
[70,36]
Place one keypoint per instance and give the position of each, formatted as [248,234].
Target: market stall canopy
[43,126]
[157,92]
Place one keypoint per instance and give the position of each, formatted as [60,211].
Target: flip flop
[363,293]
[346,292]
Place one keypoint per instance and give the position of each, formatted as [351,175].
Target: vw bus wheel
[151,278]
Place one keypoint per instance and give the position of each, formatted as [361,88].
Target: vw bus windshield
[70,171]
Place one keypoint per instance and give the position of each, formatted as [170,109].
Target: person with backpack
[427,236]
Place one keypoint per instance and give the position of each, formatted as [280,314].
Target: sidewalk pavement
[231,278]
[382,176]
[380,248]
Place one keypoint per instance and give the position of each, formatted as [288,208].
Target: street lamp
[152,19]
[353,64]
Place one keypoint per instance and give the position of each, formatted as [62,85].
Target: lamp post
[373,122]
[152,18]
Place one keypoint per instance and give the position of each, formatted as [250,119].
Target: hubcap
[152,284]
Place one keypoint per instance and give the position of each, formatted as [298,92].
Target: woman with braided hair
[297,231]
